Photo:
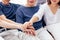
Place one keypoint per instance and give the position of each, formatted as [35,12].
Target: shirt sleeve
[19,16]
[40,13]
[1,12]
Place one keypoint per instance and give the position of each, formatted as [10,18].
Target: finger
[28,23]
[33,32]
[25,24]
[31,23]
[31,27]
[29,32]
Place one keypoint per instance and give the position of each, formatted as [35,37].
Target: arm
[4,22]
[34,19]
[37,16]
[2,17]
[7,25]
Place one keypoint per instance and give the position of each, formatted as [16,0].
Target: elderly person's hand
[30,31]
[28,28]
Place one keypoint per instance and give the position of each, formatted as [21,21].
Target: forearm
[4,22]
[34,19]
[9,25]
[10,21]
[2,17]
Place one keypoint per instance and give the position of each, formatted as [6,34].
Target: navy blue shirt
[24,14]
[9,10]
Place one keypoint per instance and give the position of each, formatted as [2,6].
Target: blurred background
[23,2]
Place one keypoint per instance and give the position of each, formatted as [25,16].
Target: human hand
[30,31]
[28,28]
[27,25]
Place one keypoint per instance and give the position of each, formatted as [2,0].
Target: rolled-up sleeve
[40,12]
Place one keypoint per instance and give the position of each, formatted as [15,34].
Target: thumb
[30,23]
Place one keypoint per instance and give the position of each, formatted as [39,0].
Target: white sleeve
[40,12]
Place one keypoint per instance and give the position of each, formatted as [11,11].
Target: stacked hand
[28,28]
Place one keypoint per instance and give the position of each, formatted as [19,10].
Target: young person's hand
[28,28]
[28,25]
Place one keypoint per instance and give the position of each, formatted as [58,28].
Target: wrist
[19,26]
[31,22]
